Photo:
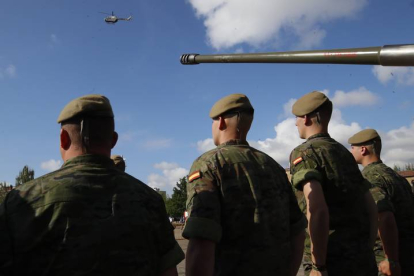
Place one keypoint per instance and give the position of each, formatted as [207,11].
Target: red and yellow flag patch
[195,175]
[297,160]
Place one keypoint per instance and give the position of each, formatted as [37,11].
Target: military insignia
[195,175]
[297,160]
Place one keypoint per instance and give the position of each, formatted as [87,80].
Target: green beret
[309,103]
[363,136]
[87,106]
[233,102]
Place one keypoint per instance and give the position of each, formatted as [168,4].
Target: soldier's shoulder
[204,160]
[40,184]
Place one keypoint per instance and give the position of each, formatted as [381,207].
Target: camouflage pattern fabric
[86,218]
[241,199]
[323,159]
[392,193]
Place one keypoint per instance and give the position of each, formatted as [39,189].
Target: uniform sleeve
[203,205]
[303,169]
[170,253]
[298,221]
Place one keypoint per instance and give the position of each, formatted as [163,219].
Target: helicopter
[112,19]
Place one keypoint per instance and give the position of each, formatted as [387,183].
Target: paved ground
[183,243]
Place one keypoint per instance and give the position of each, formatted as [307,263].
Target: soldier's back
[256,217]
[393,193]
[87,219]
[323,159]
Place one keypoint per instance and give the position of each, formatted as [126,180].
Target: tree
[176,205]
[406,167]
[24,176]
[409,167]
[397,168]
[4,189]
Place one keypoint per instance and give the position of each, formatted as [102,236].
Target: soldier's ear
[114,139]
[222,123]
[308,120]
[364,150]
[65,141]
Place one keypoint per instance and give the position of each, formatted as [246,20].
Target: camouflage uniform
[392,193]
[241,199]
[323,159]
[88,218]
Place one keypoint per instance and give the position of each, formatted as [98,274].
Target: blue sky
[54,51]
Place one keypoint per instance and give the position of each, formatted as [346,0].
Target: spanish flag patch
[297,160]
[195,175]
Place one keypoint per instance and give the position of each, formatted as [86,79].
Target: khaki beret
[119,162]
[233,102]
[117,159]
[89,105]
[363,136]
[309,103]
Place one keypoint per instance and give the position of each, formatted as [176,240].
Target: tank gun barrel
[388,55]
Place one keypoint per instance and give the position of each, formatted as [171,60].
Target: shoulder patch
[297,160]
[195,175]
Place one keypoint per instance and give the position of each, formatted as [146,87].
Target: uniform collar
[373,164]
[319,135]
[234,142]
[94,159]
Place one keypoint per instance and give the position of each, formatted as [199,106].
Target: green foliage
[4,189]
[397,168]
[409,167]
[176,204]
[406,167]
[24,176]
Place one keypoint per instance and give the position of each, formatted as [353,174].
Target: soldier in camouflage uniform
[395,202]
[243,216]
[87,218]
[119,162]
[334,195]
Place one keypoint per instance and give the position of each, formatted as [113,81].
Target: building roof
[406,173]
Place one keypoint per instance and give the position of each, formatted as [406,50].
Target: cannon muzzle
[388,55]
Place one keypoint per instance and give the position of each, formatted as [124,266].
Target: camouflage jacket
[241,199]
[323,159]
[392,193]
[87,218]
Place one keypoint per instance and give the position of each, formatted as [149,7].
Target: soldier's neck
[370,159]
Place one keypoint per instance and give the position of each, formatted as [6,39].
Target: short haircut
[375,145]
[98,129]
[324,111]
[245,118]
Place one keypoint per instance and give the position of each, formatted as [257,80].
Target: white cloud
[287,107]
[51,165]
[232,22]
[205,145]
[9,71]
[287,137]
[398,146]
[157,144]
[279,147]
[126,136]
[360,96]
[171,174]
[53,39]
[401,75]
